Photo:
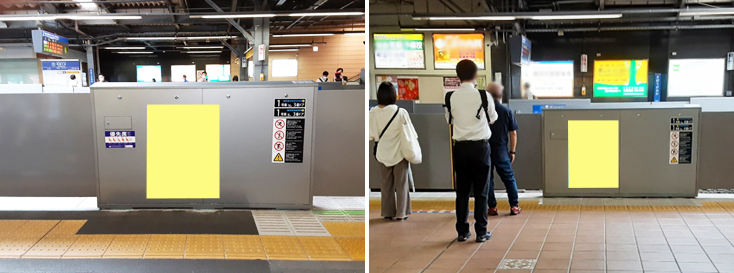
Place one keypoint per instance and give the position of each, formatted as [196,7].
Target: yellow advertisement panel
[449,49]
[593,154]
[620,78]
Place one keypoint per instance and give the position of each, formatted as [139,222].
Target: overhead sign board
[620,78]
[49,43]
[549,78]
[398,51]
[696,77]
[449,49]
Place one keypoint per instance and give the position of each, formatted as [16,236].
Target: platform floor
[552,235]
[328,238]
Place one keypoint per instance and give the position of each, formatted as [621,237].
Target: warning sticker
[681,140]
[119,139]
[288,132]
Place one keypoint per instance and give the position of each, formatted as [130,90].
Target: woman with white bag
[396,147]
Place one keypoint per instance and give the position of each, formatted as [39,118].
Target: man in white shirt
[324,77]
[471,112]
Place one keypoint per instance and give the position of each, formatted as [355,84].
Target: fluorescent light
[355,33]
[303,35]
[125,47]
[100,17]
[327,14]
[706,12]
[282,50]
[28,18]
[232,16]
[135,52]
[440,29]
[291,45]
[576,17]
[181,38]
[202,47]
[481,18]
[203,51]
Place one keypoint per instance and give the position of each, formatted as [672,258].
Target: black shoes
[484,238]
[463,238]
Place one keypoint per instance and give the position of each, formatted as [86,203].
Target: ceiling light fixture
[696,12]
[302,35]
[291,45]
[577,17]
[203,51]
[283,50]
[125,47]
[478,18]
[327,14]
[135,52]
[234,16]
[355,33]
[202,47]
[181,38]
[51,17]
[440,29]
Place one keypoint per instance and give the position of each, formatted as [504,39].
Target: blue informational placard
[119,139]
[538,108]
[61,65]
[91,76]
[657,87]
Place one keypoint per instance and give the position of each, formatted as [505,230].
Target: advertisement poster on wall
[386,78]
[620,78]
[549,78]
[60,72]
[696,77]
[453,83]
[398,51]
[449,49]
[408,88]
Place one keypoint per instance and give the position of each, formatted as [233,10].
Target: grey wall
[716,154]
[46,145]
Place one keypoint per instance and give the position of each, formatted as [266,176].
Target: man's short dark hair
[326,73]
[386,94]
[340,69]
[466,70]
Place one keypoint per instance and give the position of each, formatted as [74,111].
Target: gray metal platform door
[122,172]
[247,174]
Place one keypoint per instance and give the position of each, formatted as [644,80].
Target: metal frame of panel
[644,143]
[248,179]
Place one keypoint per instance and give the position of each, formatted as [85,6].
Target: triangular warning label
[278,157]
[671,161]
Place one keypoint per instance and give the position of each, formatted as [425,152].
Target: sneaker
[515,210]
[484,238]
[493,212]
[387,218]
[464,237]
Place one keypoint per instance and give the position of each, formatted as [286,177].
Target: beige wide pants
[395,190]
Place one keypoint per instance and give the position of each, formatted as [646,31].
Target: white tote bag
[409,146]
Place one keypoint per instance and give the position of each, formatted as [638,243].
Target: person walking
[470,112]
[396,146]
[502,155]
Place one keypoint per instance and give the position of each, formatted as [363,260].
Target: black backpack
[485,105]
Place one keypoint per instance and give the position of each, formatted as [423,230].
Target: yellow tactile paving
[246,247]
[354,246]
[344,229]
[37,227]
[166,246]
[15,245]
[204,247]
[283,248]
[11,226]
[127,246]
[68,227]
[51,246]
[323,249]
[89,246]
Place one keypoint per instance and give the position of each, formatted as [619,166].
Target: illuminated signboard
[549,78]
[620,78]
[398,51]
[449,49]
[48,43]
[696,77]
[148,73]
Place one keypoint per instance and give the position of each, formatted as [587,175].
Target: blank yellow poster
[183,151]
[593,154]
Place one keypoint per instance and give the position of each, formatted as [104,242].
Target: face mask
[338,74]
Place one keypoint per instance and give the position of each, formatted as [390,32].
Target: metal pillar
[242,47]
[262,38]
[91,72]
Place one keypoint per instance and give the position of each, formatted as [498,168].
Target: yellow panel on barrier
[593,154]
[183,151]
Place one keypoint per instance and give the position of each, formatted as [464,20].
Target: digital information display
[218,72]
[146,73]
[449,49]
[398,51]
[620,78]
[179,71]
[549,78]
[48,43]
[696,77]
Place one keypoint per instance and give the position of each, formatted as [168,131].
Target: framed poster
[408,88]
[549,78]
[398,51]
[449,49]
[696,77]
[620,78]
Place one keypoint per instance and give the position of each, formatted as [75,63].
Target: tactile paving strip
[15,245]
[346,229]
[334,218]
[245,247]
[128,246]
[324,203]
[89,246]
[324,249]
[271,223]
[354,246]
[357,218]
[68,227]
[37,227]
[305,223]
[283,248]
[204,247]
[166,246]
[51,246]
[349,203]
[11,226]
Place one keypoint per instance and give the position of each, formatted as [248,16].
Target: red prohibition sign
[279,135]
[278,146]
[279,124]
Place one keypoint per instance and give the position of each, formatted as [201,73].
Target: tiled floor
[561,235]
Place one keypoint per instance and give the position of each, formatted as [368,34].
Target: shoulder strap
[389,122]
[485,105]
[447,104]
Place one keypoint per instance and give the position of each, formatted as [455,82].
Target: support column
[262,37]
[242,47]
[91,72]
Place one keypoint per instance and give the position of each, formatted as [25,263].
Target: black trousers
[471,164]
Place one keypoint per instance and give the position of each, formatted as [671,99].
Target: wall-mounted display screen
[217,72]
[179,71]
[696,77]
[146,73]
[398,51]
[449,49]
[285,68]
[620,78]
[549,78]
